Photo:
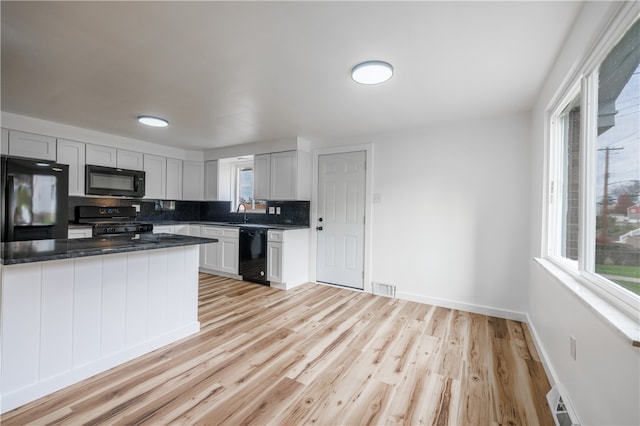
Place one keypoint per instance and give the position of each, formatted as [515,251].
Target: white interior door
[341,215]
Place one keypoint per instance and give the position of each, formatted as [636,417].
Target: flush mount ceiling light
[153,121]
[372,72]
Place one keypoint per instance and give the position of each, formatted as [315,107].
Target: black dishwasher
[253,255]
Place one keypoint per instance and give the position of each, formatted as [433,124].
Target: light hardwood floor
[316,355]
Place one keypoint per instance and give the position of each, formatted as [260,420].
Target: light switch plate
[278,210]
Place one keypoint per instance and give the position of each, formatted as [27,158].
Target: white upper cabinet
[129,160]
[30,145]
[192,180]
[107,156]
[73,154]
[282,176]
[99,155]
[262,177]
[155,168]
[174,179]
[211,180]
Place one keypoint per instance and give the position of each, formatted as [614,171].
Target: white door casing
[341,219]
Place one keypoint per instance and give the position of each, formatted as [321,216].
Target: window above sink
[240,184]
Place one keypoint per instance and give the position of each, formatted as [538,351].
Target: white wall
[452,227]
[603,382]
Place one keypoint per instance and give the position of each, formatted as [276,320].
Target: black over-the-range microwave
[101,180]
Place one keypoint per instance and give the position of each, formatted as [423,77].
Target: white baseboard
[542,353]
[38,390]
[477,309]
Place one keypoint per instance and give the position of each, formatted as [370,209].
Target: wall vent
[561,408]
[382,289]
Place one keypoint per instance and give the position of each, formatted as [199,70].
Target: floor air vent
[382,289]
[561,409]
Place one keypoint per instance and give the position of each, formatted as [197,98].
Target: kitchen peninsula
[73,308]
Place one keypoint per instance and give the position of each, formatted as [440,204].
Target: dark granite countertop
[234,224]
[42,250]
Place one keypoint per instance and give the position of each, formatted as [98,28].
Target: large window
[594,187]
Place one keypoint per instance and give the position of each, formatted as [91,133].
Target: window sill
[626,326]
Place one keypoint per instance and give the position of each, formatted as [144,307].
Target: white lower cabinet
[221,257]
[288,257]
[179,229]
[163,229]
[274,262]
[83,232]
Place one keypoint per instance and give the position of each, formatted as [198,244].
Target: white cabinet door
[210,256]
[155,168]
[262,177]
[99,155]
[229,252]
[274,262]
[22,144]
[211,180]
[129,160]
[192,180]
[73,154]
[174,179]
[284,175]
[209,253]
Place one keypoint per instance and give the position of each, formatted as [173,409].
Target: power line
[605,198]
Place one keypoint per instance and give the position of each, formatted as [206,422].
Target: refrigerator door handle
[8,214]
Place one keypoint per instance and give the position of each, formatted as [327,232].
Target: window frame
[236,167]
[584,84]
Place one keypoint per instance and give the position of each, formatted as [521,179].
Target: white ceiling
[226,73]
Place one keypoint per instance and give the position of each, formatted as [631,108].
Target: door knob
[318,228]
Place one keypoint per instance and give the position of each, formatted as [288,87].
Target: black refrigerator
[35,199]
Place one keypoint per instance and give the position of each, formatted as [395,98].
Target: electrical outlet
[572,347]
[272,210]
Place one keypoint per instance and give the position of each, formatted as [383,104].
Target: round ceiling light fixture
[153,121]
[372,72]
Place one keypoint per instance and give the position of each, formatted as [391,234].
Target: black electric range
[111,221]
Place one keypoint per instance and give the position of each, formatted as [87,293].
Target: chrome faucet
[244,210]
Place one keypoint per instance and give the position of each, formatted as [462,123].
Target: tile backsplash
[292,212]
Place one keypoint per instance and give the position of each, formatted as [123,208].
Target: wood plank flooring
[316,355]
